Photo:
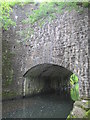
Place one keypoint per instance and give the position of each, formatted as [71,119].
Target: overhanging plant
[74,90]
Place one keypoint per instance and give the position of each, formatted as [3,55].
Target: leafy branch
[74,87]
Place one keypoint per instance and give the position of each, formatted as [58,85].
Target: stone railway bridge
[55,51]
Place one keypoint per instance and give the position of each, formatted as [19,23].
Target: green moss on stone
[83,105]
[9,94]
[88,102]
[70,117]
[7,69]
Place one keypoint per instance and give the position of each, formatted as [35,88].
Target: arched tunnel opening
[48,86]
[47,79]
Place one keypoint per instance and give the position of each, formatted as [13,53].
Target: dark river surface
[42,106]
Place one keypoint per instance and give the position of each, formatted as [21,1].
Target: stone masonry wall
[63,41]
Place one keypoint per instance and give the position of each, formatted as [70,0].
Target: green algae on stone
[82,105]
[71,117]
[81,109]
[8,94]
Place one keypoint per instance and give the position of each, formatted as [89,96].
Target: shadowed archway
[46,78]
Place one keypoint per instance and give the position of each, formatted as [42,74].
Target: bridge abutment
[62,42]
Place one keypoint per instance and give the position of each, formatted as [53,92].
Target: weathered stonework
[81,109]
[63,42]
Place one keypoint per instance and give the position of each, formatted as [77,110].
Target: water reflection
[42,106]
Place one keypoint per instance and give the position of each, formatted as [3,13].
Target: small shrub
[74,91]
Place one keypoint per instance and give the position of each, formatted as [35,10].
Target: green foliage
[5,15]
[46,12]
[86,4]
[88,102]
[71,117]
[43,12]
[47,9]
[6,9]
[87,115]
[68,118]
[74,91]
[73,79]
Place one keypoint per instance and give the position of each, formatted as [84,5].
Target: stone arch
[61,43]
[45,78]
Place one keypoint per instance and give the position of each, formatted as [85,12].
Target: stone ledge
[81,109]
[78,112]
[82,104]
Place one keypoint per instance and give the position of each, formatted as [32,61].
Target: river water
[42,106]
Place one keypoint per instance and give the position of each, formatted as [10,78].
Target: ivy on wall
[74,91]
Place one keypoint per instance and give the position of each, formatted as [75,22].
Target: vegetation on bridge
[5,10]
[45,11]
[74,87]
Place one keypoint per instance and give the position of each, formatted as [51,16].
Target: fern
[74,91]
